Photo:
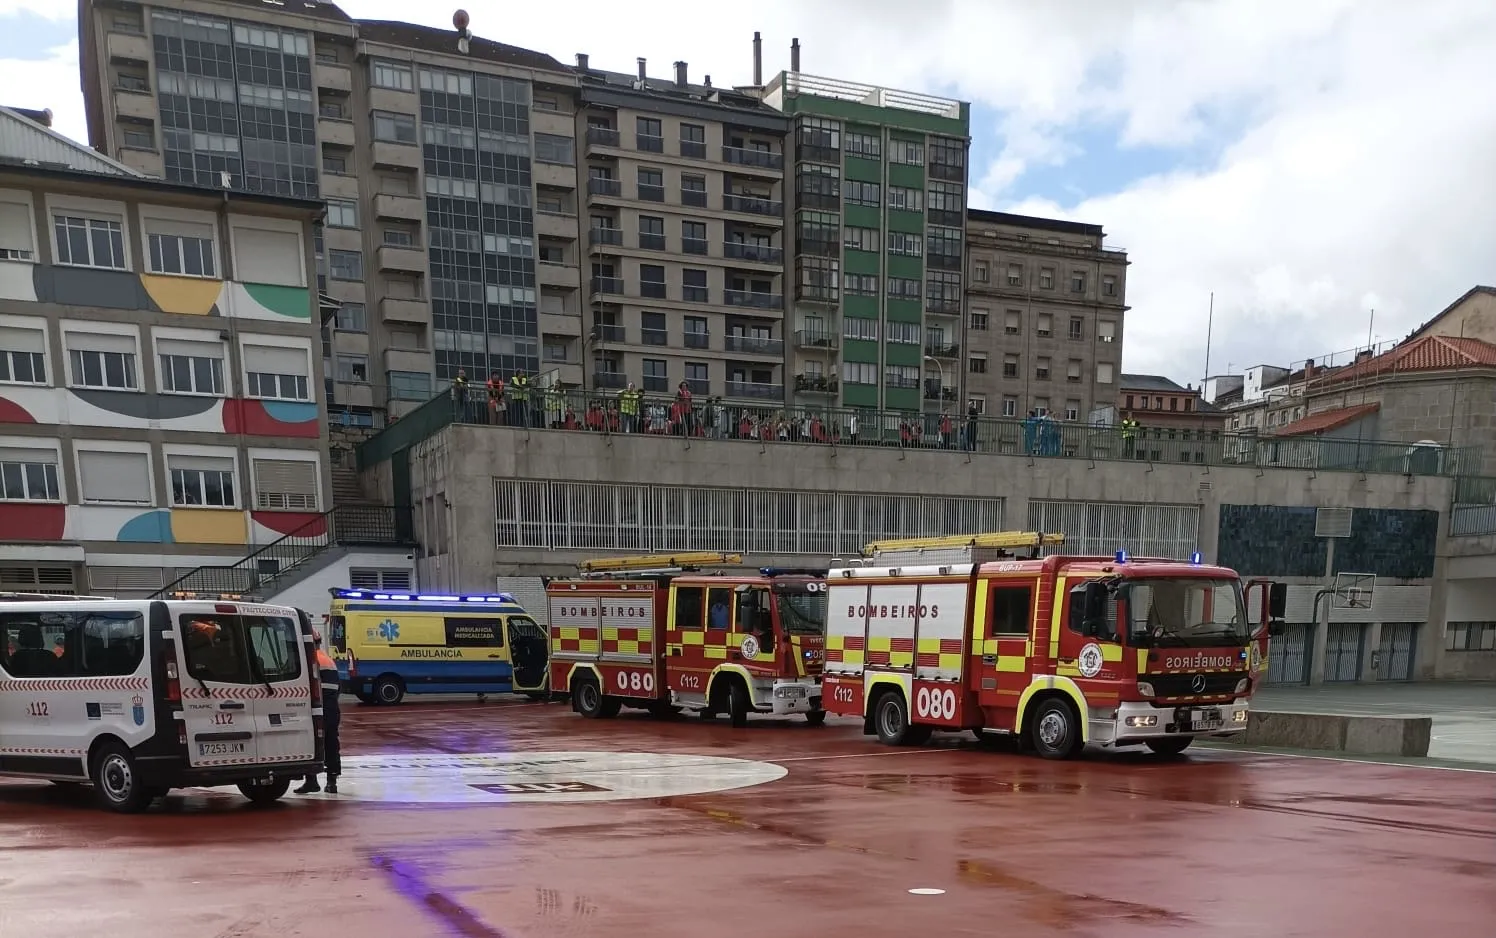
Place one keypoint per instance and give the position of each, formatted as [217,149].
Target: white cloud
[49,82]
[1355,137]
[58,10]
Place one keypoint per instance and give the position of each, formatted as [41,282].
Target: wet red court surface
[1220,844]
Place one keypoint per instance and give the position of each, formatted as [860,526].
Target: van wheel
[1055,729]
[265,792]
[891,720]
[389,690]
[116,783]
[1170,745]
[588,700]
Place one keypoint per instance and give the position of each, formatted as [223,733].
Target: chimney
[795,55]
[706,81]
[642,74]
[1363,354]
[1308,370]
[758,59]
[582,62]
[680,74]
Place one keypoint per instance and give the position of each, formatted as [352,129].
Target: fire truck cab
[961,633]
[687,632]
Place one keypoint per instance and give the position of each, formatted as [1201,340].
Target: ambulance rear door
[218,686]
[284,730]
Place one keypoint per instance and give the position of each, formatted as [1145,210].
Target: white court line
[1395,765]
[856,755]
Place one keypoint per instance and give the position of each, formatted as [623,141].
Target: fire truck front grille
[1186,685]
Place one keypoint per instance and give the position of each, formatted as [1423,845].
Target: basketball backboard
[1354,590]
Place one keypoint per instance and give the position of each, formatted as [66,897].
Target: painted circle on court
[541,777]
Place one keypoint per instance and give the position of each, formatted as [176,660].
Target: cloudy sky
[1307,161]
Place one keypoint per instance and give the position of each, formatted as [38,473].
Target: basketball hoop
[1354,591]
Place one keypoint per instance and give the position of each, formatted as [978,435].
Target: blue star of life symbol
[388,630]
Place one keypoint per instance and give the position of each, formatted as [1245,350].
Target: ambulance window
[719,609]
[1012,609]
[277,646]
[214,646]
[688,607]
[475,633]
[71,644]
[337,637]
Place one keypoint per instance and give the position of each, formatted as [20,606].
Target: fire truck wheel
[588,699]
[815,717]
[737,702]
[891,719]
[1055,729]
[1170,746]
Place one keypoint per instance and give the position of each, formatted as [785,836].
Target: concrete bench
[1338,732]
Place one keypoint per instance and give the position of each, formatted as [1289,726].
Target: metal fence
[610,516]
[662,416]
[1104,527]
[1474,510]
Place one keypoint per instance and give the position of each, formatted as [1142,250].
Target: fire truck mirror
[1088,609]
[1275,629]
[1277,601]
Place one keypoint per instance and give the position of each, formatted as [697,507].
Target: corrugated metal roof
[25,141]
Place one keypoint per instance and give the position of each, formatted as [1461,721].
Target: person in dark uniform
[332,715]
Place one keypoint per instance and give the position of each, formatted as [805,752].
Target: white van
[139,697]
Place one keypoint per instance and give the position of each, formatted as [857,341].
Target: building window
[544,103]
[551,148]
[1010,406]
[856,328]
[1041,369]
[273,373]
[394,128]
[1041,406]
[693,141]
[354,369]
[410,385]
[656,378]
[285,484]
[976,403]
[140,139]
[699,376]
[979,272]
[190,367]
[202,481]
[83,241]
[28,474]
[859,373]
[1078,281]
[1010,366]
[648,135]
[1046,278]
[1106,330]
[1470,636]
[693,237]
[979,320]
[903,287]
[904,244]
[336,165]
[1012,322]
[947,158]
[398,238]
[902,333]
[352,317]
[867,146]
[907,152]
[693,190]
[102,361]
[1044,325]
[652,281]
[908,200]
[653,329]
[651,185]
[1077,327]
[1108,286]
[23,358]
[693,286]
[111,477]
[652,233]
[1104,372]
[17,242]
[345,265]
[1072,370]
[860,239]
[862,193]
[342,214]
[901,376]
[978,364]
[391,75]
[1015,275]
[860,284]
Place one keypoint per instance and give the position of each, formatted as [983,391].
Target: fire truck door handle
[989,659]
[737,656]
[675,651]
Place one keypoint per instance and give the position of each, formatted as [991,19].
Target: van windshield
[229,649]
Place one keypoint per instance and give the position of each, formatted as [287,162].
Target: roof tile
[1425,353]
[1327,420]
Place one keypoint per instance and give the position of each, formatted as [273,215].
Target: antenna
[1209,327]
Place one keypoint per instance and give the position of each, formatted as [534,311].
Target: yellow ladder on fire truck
[994,540]
[658,562]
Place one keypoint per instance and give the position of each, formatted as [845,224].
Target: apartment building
[1045,306]
[684,210]
[879,202]
[161,400]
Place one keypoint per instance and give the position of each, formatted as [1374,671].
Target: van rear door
[284,730]
[218,687]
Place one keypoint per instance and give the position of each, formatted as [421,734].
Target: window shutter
[275,361]
[22,340]
[15,229]
[115,477]
[268,256]
[285,484]
[29,454]
[100,342]
[191,348]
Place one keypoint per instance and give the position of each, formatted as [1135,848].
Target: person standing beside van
[332,716]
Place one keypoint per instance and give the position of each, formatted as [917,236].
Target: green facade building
[880,193]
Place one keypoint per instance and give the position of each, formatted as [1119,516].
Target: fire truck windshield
[802,613]
[1164,612]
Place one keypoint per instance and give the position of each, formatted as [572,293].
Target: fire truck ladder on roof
[643,564]
[995,544]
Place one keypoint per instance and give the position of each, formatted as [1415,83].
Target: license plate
[1207,724]
[1207,716]
[220,749]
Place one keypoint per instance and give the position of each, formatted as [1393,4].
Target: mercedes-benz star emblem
[1197,683]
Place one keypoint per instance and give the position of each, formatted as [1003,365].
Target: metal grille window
[285,484]
[29,474]
[1104,527]
[605,516]
[22,356]
[90,242]
[202,481]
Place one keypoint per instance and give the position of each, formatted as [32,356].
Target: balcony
[332,77]
[651,193]
[130,47]
[942,349]
[551,225]
[602,137]
[653,289]
[402,260]
[758,159]
[943,307]
[936,391]
[654,337]
[693,150]
[694,246]
[696,340]
[393,155]
[393,309]
[753,299]
[137,105]
[754,345]
[399,207]
[649,143]
[608,188]
[609,380]
[699,386]
[754,253]
[752,205]
[817,293]
[556,275]
[650,241]
[816,384]
[335,131]
[603,332]
[608,285]
[696,198]
[817,339]
[755,390]
[602,236]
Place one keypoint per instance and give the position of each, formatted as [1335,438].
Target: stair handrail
[301,531]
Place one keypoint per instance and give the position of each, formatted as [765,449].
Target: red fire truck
[685,632]
[962,633]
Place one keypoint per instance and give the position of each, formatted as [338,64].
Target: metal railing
[753,205]
[849,426]
[602,136]
[608,187]
[756,253]
[743,156]
[752,345]
[817,338]
[753,298]
[259,572]
[1473,513]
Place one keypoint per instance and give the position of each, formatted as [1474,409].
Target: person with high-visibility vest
[460,396]
[519,395]
[332,715]
[1129,436]
[628,407]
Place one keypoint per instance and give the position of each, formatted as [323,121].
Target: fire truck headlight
[1145,689]
[1144,720]
[1239,716]
[1241,685]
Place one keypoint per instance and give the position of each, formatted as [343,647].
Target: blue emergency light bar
[1197,558]
[1121,556]
[420,597]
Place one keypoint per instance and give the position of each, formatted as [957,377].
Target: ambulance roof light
[421,597]
[1197,558]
